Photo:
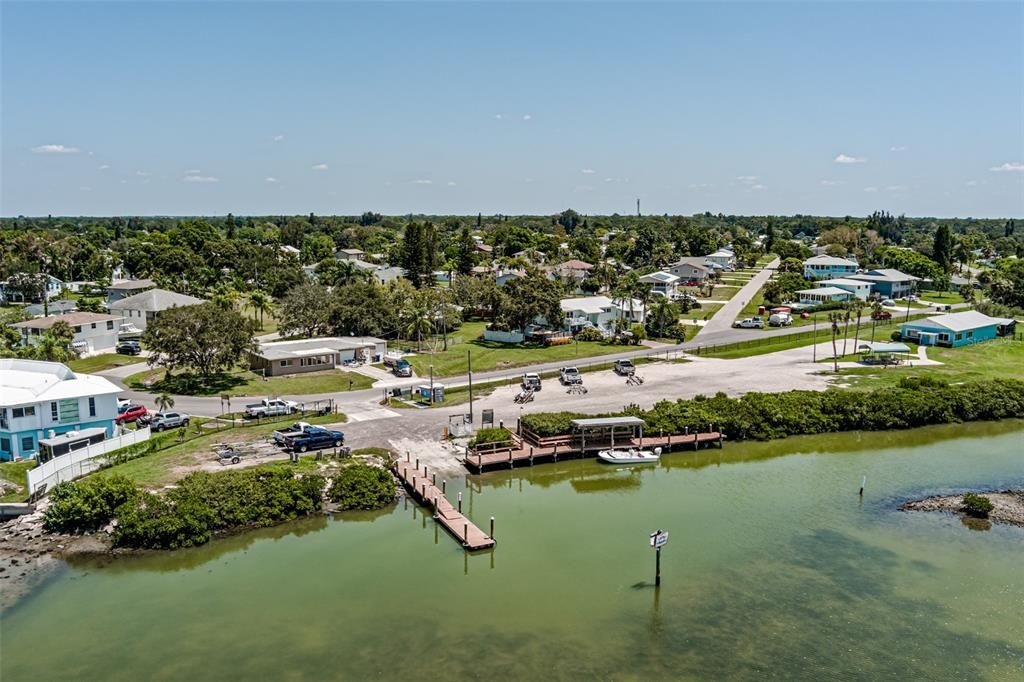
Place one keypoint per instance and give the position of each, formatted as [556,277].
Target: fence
[80,462]
[823,334]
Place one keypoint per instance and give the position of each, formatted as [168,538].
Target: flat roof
[74,319]
[826,291]
[72,436]
[878,347]
[608,421]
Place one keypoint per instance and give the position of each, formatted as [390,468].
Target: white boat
[630,456]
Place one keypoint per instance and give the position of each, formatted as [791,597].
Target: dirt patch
[1008,506]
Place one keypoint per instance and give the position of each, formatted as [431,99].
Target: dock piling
[460,502]
[492,527]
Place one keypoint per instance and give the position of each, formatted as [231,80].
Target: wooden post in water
[433,479]
[492,527]
[444,486]
[406,455]
[556,452]
[417,464]
[657,567]
[465,533]
[863,484]
[460,502]
[510,464]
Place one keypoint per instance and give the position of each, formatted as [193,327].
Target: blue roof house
[888,283]
[828,267]
[955,329]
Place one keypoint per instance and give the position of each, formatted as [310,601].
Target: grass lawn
[98,363]
[706,309]
[488,355]
[943,297]
[243,382]
[16,472]
[168,465]
[269,321]
[996,359]
[723,292]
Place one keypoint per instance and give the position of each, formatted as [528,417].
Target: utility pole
[637,208]
[469,363]
[431,384]
[814,339]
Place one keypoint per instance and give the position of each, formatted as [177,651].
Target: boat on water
[630,456]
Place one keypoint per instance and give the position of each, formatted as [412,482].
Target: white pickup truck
[271,407]
[296,429]
[569,376]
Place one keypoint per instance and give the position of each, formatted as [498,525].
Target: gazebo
[599,433]
[877,353]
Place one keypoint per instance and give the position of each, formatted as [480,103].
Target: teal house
[956,329]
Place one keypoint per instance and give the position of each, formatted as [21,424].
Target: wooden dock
[551,449]
[420,485]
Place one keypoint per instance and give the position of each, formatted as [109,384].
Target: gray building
[277,358]
[129,287]
[140,309]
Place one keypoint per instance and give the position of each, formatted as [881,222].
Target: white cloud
[124,182]
[896,188]
[142,174]
[103,167]
[200,178]
[971,183]
[83,188]
[320,167]
[423,182]
[584,188]
[497,117]
[607,179]
[527,117]
[701,185]
[451,183]
[194,171]
[843,158]
[899,148]
[1009,167]
[831,183]
[278,138]
[271,179]
[587,171]
[758,186]
[528,180]
[54,149]
[747,179]
[870,189]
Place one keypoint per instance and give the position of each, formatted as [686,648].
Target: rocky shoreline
[1007,506]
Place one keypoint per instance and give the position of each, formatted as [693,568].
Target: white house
[349,254]
[691,270]
[11,292]
[723,258]
[820,295]
[601,312]
[93,332]
[140,309]
[661,283]
[856,287]
[315,355]
[828,267]
[121,290]
[41,399]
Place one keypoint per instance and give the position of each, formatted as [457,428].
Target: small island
[1005,506]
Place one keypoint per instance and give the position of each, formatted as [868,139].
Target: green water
[775,569]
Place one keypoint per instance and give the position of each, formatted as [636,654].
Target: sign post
[659,539]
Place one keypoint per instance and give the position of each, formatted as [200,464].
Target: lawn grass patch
[242,382]
[17,473]
[99,363]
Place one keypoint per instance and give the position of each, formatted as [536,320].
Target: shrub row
[497,436]
[764,416]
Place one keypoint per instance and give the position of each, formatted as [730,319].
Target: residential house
[41,399]
[480,247]
[828,267]
[61,306]
[661,283]
[93,332]
[290,250]
[140,309]
[820,295]
[118,291]
[856,287]
[531,255]
[600,312]
[10,293]
[888,283]
[956,329]
[277,358]
[382,274]
[79,286]
[349,254]
[723,258]
[502,277]
[691,270]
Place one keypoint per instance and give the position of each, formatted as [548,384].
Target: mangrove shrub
[87,504]
[361,486]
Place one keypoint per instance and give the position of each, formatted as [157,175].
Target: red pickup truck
[130,413]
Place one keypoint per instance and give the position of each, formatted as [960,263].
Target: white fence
[80,462]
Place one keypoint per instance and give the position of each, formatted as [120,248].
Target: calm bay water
[775,568]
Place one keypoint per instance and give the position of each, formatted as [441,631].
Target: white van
[780,320]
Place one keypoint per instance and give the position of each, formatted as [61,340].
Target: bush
[492,436]
[361,486]
[589,334]
[87,504]
[978,506]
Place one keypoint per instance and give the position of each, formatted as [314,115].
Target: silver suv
[168,420]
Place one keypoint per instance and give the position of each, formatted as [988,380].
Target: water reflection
[975,523]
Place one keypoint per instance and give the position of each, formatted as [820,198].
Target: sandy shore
[1008,505]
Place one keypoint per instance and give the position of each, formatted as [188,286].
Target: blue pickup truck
[317,439]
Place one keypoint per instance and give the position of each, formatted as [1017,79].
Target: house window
[19,412]
[68,410]
[970,335]
[3,418]
[285,363]
[27,444]
[5,445]
[78,329]
[53,411]
[959,337]
[92,407]
[93,325]
[110,324]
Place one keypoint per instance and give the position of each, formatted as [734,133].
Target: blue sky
[204,108]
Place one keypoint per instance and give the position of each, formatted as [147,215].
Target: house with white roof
[661,283]
[856,287]
[13,291]
[600,312]
[93,332]
[956,329]
[349,254]
[888,283]
[691,270]
[141,309]
[820,295]
[828,267]
[277,358]
[42,399]
[129,287]
[723,258]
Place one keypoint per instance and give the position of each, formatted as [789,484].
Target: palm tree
[858,305]
[835,318]
[663,309]
[418,318]
[164,402]
[642,293]
[876,314]
[260,303]
[847,307]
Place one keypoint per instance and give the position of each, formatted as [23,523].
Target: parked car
[270,408]
[912,298]
[296,429]
[881,315]
[168,420]
[888,302]
[624,368]
[780,320]
[128,348]
[569,376]
[749,323]
[130,413]
[531,382]
[402,368]
[315,440]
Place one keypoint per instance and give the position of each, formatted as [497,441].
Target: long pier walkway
[423,489]
[522,452]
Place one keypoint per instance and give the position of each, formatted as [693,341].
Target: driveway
[722,319]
